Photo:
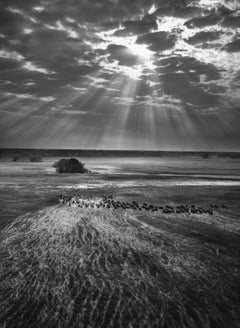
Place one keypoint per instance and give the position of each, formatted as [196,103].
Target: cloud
[31,67]
[11,55]
[29,96]
[158,41]
[231,21]
[55,43]
[179,8]
[92,11]
[7,65]
[232,46]
[188,11]
[52,51]
[59,26]
[10,22]
[13,59]
[94,56]
[143,89]
[204,36]
[204,21]
[183,87]
[186,79]
[188,65]
[122,54]
[146,24]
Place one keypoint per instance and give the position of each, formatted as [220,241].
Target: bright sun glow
[144,55]
[141,50]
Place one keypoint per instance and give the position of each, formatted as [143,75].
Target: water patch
[153,183]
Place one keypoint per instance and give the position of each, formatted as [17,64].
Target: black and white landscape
[119,164]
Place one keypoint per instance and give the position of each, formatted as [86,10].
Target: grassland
[72,267]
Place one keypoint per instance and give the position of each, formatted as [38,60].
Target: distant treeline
[11,152]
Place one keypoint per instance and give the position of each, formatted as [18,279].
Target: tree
[71,165]
[205,156]
[15,158]
[35,158]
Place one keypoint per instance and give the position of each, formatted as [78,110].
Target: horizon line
[121,150]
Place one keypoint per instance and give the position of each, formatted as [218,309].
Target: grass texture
[68,267]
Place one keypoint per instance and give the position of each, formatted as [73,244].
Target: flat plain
[75,267]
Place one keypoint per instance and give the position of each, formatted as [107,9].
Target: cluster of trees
[71,165]
[32,158]
[206,156]
[35,158]
[15,158]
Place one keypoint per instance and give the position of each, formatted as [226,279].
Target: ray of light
[117,125]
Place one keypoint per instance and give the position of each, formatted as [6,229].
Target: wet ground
[26,186]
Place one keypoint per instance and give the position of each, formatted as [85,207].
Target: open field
[74,267]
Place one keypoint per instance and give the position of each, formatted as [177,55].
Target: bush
[205,156]
[15,158]
[35,158]
[235,156]
[71,165]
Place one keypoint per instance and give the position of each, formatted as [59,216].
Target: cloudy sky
[120,74]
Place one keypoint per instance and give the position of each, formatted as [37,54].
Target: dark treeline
[27,152]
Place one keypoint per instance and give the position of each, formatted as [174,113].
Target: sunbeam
[143,77]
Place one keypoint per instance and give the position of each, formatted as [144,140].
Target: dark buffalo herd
[90,201]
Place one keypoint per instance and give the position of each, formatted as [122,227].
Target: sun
[145,57]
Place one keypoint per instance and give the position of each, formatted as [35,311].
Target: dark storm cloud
[24,5]
[54,41]
[203,37]
[56,44]
[188,65]
[146,24]
[33,83]
[142,26]
[221,14]
[7,64]
[55,51]
[232,46]
[92,11]
[216,89]
[158,41]
[143,89]
[60,57]
[204,21]
[181,86]
[122,55]
[51,44]
[231,21]
[10,23]
[181,78]
[189,11]
[177,8]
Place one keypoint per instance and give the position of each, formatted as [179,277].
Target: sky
[120,74]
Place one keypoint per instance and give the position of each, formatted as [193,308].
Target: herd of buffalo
[90,201]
